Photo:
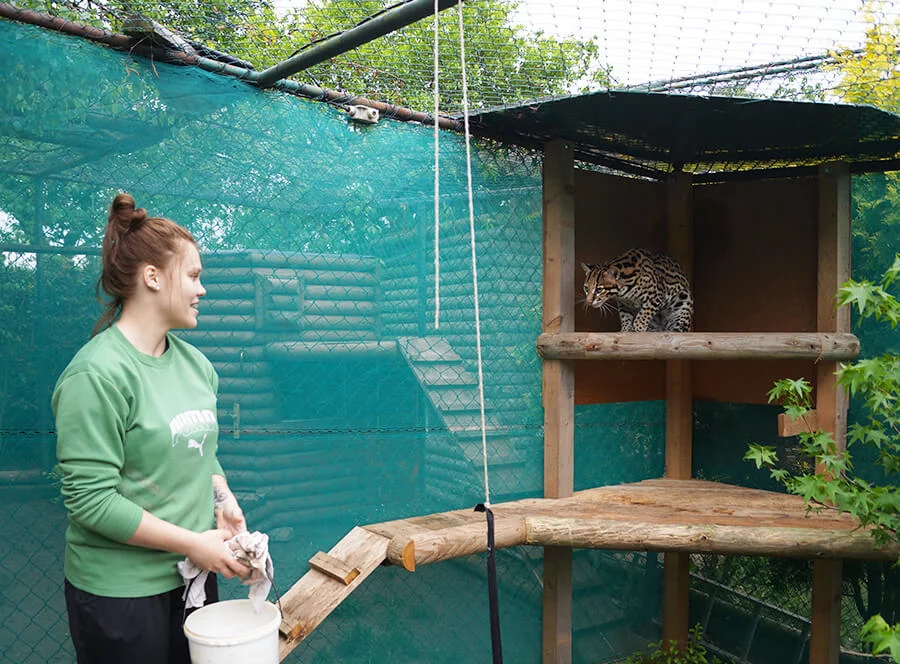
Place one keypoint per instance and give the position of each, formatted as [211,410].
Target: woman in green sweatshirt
[136,445]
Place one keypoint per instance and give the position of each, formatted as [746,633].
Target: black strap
[496,647]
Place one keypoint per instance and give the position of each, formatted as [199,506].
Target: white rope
[465,93]
[437,182]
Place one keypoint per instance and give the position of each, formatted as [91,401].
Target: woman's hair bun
[124,215]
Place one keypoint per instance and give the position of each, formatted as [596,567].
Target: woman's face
[185,289]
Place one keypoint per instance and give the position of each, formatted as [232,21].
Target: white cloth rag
[251,549]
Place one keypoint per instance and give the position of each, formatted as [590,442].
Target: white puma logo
[194,444]
[189,425]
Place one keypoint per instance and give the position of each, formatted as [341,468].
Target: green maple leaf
[761,455]
[856,292]
[882,637]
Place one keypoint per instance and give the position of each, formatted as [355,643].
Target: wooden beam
[558,317]
[431,546]
[816,346]
[558,387]
[676,593]
[788,426]
[556,638]
[679,420]
[680,221]
[831,399]
[679,409]
[593,533]
[825,630]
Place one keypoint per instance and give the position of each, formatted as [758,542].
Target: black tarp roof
[653,134]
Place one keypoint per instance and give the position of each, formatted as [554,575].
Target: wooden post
[831,400]
[558,389]
[679,412]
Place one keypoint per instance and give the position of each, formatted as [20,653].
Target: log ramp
[653,515]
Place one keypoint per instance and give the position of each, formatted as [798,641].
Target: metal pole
[391,20]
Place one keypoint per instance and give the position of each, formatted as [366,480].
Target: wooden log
[225,322]
[199,337]
[225,306]
[317,291]
[697,346]
[431,546]
[241,384]
[231,290]
[346,336]
[333,568]
[247,400]
[332,307]
[247,369]
[230,352]
[258,258]
[586,533]
[244,275]
[319,350]
[249,416]
[345,322]
[293,303]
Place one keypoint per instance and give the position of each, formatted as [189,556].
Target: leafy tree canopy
[397,68]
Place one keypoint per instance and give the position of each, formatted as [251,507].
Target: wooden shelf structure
[672,516]
[765,251]
[760,295]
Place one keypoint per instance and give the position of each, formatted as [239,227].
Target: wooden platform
[653,515]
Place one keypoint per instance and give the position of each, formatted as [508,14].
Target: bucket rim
[245,637]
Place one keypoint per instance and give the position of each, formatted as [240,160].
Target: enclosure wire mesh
[339,401]
[521,50]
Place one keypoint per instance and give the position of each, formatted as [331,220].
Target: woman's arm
[207,549]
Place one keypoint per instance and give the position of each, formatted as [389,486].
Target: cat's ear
[612,273]
[587,268]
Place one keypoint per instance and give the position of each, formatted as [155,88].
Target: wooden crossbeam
[814,346]
[336,569]
[788,426]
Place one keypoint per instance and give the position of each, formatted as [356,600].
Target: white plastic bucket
[231,631]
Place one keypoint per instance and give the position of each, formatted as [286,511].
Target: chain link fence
[341,401]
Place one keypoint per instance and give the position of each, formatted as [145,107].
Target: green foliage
[878,57]
[694,652]
[391,67]
[882,637]
[834,483]
[396,68]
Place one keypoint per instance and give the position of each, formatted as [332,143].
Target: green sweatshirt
[134,433]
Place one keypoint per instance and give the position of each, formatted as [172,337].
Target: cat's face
[601,285]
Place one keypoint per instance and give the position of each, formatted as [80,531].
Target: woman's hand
[209,551]
[229,515]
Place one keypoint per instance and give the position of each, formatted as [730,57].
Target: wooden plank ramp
[318,593]
[665,515]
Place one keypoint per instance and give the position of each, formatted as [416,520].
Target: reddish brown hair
[133,239]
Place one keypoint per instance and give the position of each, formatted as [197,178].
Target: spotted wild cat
[650,290]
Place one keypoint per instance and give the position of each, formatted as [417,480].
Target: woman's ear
[150,275]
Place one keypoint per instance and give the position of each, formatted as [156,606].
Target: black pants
[130,630]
